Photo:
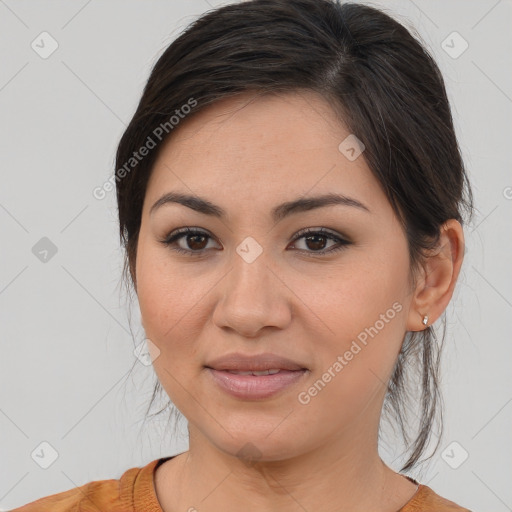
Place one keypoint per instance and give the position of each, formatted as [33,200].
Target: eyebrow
[278,213]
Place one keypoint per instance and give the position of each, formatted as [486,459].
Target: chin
[258,445]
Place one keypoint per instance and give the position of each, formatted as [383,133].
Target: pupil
[308,238]
[196,236]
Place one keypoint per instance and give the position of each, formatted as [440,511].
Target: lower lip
[252,387]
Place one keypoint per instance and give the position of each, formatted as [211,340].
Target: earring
[425,320]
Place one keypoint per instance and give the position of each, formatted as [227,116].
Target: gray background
[69,376]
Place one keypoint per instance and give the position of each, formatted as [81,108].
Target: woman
[291,197]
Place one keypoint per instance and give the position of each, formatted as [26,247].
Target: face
[324,286]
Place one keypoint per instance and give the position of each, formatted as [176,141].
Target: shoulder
[114,495]
[426,500]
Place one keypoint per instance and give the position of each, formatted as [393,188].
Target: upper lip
[259,362]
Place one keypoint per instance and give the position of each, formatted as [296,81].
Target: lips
[255,387]
[272,371]
[243,364]
[256,377]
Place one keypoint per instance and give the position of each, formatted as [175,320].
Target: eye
[196,240]
[315,238]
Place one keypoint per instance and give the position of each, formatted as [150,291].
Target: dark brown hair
[386,89]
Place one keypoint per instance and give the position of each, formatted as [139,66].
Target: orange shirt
[135,492]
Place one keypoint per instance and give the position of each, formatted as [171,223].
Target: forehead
[255,145]
[294,121]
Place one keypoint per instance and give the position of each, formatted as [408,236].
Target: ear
[435,286]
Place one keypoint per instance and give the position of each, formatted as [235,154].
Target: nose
[253,296]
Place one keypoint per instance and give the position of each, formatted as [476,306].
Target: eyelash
[176,235]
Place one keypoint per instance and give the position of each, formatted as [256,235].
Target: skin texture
[248,154]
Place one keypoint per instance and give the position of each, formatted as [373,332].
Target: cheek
[354,365]
[366,316]
[366,291]
[169,310]
[162,292]
[172,302]
[161,301]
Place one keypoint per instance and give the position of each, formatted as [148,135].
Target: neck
[344,474]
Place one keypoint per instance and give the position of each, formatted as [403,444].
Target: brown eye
[195,241]
[316,241]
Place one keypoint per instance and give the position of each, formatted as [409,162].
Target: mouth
[255,377]
[272,371]
[255,385]
[254,364]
